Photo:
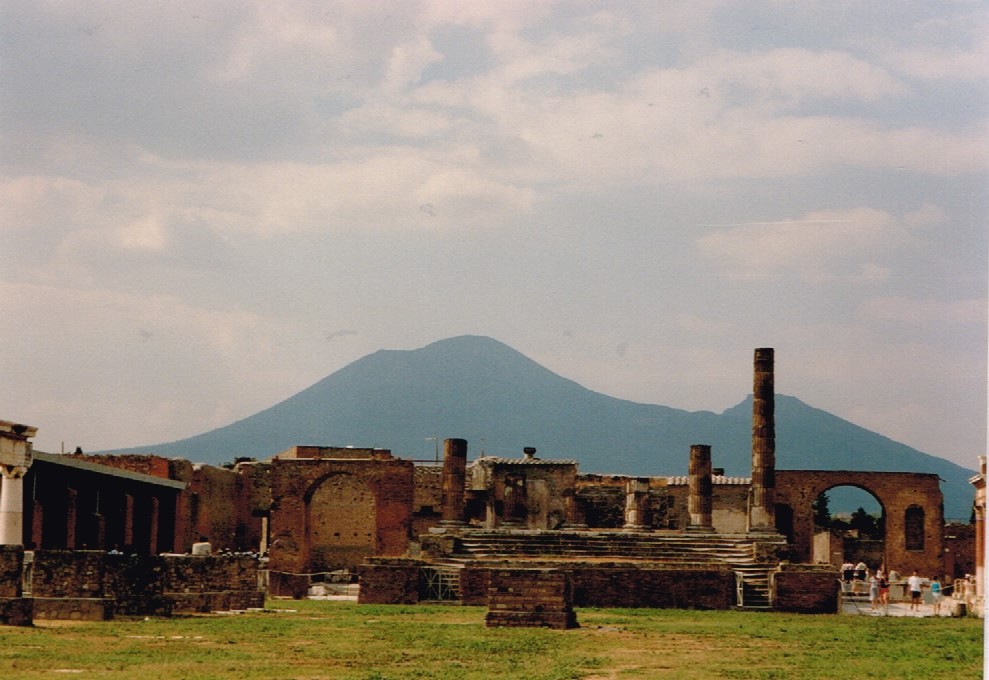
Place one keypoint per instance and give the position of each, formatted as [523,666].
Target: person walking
[873,591]
[936,595]
[914,586]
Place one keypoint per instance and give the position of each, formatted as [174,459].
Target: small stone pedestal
[532,598]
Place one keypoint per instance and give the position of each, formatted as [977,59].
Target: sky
[207,207]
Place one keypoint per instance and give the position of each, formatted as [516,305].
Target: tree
[822,514]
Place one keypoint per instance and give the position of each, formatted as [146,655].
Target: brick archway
[385,485]
[912,505]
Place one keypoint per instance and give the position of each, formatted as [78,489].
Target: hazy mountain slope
[499,400]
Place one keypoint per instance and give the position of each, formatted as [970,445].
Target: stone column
[12,505]
[699,500]
[763,507]
[636,503]
[15,458]
[454,481]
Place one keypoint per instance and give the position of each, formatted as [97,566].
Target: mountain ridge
[499,400]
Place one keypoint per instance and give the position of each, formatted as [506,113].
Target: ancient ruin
[86,536]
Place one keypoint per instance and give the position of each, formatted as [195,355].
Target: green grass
[352,642]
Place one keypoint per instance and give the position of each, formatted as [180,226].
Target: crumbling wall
[385,513]
[145,585]
[519,597]
[427,498]
[11,564]
[805,588]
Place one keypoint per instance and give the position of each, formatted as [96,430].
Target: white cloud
[818,245]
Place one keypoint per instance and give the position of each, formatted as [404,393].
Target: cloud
[818,245]
[913,312]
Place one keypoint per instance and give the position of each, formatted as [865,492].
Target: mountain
[499,401]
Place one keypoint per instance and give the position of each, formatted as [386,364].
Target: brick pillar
[153,528]
[71,517]
[454,480]
[636,503]
[128,522]
[762,509]
[699,500]
[37,524]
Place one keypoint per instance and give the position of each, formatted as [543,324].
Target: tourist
[936,595]
[883,591]
[860,570]
[914,585]
[874,591]
[847,571]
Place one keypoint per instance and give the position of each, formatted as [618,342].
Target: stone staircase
[738,552]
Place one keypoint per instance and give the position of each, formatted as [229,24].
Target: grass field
[308,640]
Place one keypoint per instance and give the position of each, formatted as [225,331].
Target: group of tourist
[879,584]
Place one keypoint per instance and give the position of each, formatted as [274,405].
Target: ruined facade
[422,532]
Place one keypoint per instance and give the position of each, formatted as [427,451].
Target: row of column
[699,500]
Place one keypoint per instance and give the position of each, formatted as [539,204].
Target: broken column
[762,508]
[15,459]
[699,480]
[636,503]
[454,479]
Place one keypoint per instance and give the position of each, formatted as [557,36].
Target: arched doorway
[849,526]
[341,519]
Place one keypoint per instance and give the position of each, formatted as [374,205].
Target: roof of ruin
[522,461]
[68,461]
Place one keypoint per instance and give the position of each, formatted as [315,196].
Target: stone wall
[427,498]
[631,586]
[11,561]
[389,581]
[386,581]
[530,598]
[310,495]
[137,585]
[808,589]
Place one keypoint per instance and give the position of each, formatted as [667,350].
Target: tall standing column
[12,505]
[700,488]
[15,459]
[636,503]
[454,481]
[762,510]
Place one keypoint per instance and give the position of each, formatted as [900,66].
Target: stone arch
[837,551]
[340,521]
[895,492]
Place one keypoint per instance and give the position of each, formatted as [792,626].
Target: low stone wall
[11,565]
[158,585]
[805,588]
[16,611]
[631,586]
[73,608]
[389,581]
[628,585]
[530,598]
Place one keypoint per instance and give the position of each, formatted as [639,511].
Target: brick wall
[385,581]
[808,589]
[625,585]
[530,598]
[148,585]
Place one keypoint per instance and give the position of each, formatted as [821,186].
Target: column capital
[13,471]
